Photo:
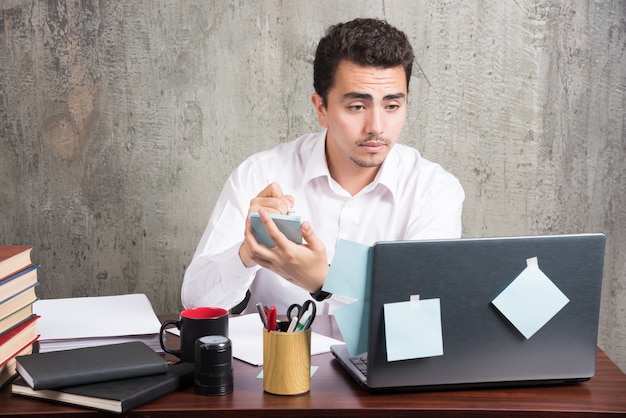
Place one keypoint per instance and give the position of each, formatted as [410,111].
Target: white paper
[77,322]
[246,334]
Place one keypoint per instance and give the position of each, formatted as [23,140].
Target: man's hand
[305,265]
[271,199]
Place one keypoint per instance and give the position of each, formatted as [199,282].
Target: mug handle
[162,340]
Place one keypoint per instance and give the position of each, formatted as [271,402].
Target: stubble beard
[374,160]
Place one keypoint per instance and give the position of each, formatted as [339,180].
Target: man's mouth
[372,145]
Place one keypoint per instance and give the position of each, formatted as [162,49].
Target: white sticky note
[531,300]
[413,333]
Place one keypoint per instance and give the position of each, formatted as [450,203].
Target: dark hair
[366,42]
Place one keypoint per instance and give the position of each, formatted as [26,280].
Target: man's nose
[374,124]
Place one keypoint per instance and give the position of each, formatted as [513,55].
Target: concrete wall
[120,120]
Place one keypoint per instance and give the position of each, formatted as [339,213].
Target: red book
[8,370]
[18,338]
[13,258]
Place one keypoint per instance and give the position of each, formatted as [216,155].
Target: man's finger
[272,190]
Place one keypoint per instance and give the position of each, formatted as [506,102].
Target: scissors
[305,311]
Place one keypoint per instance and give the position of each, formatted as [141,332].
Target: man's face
[364,115]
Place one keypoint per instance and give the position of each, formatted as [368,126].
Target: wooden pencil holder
[286,362]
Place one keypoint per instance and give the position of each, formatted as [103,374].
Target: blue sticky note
[531,300]
[349,273]
[353,323]
[313,370]
[413,330]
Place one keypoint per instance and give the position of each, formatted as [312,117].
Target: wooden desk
[334,393]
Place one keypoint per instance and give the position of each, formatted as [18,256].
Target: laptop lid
[481,346]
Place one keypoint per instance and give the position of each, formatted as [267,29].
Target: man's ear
[320,109]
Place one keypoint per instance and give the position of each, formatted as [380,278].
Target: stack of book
[114,377]
[18,279]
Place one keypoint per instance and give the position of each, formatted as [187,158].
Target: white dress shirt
[411,198]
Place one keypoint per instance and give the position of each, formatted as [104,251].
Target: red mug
[195,323]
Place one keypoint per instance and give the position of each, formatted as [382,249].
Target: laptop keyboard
[361,363]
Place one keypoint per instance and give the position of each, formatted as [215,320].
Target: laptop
[481,346]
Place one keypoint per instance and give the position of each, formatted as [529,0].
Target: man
[351,181]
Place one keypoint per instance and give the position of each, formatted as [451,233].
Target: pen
[271,318]
[292,324]
[259,308]
[303,320]
[308,322]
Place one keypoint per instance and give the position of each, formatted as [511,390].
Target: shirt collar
[317,165]
[387,176]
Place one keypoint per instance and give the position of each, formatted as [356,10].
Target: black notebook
[81,366]
[116,396]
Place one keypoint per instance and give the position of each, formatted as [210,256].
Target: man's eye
[393,107]
[356,108]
